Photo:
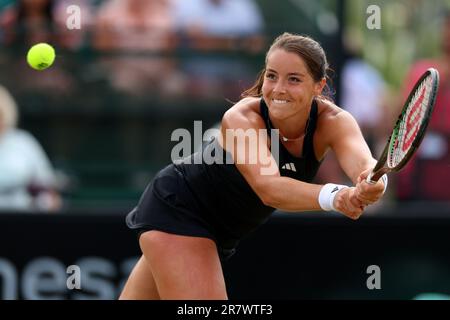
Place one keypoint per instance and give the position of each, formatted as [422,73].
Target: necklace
[285,139]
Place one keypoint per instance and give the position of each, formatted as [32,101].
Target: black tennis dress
[214,200]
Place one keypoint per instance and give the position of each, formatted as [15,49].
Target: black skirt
[167,205]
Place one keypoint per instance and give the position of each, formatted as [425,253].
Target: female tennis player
[193,215]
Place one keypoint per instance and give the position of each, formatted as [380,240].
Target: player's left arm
[354,156]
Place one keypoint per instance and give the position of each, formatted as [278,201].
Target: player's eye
[270,76]
[295,79]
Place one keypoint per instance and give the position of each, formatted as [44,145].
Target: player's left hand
[368,193]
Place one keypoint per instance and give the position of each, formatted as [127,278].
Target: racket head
[413,121]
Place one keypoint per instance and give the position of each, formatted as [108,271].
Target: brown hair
[306,48]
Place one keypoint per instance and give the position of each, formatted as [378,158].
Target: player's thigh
[140,284]
[184,267]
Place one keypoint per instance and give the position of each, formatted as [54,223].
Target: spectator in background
[27,180]
[363,91]
[426,176]
[24,23]
[27,22]
[73,39]
[218,25]
[128,27]
[135,25]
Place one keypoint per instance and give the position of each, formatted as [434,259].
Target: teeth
[279,101]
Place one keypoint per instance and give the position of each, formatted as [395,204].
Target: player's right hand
[368,193]
[348,204]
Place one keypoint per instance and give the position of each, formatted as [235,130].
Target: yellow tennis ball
[41,56]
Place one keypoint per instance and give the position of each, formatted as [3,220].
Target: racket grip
[373,177]
[369,178]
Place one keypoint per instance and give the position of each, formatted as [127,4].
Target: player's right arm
[262,174]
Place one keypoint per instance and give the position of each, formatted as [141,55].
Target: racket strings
[410,122]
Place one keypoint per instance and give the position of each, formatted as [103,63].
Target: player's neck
[292,128]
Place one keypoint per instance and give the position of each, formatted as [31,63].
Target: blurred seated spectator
[223,26]
[138,32]
[426,176]
[26,22]
[363,92]
[73,39]
[135,25]
[220,24]
[27,180]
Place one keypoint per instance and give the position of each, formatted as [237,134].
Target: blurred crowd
[140,50]
[138,39]
[132,24]
[181,49]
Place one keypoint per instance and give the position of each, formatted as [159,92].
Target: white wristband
[327,194]
[385,181]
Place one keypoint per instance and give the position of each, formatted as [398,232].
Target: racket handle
[369,178]
[373,177]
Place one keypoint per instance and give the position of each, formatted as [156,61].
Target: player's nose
[280,87]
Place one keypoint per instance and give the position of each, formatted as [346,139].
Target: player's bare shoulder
[330,116]
[244,113]
[333,125]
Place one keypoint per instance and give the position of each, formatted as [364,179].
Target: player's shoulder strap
[308,145]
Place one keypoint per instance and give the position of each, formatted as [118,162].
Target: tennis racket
[410,126]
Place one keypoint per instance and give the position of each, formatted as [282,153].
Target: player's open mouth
[280,101]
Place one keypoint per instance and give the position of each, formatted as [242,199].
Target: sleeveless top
[221,194]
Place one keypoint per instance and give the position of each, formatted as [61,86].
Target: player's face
[288,87]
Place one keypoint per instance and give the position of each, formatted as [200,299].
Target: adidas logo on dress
[289,166]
